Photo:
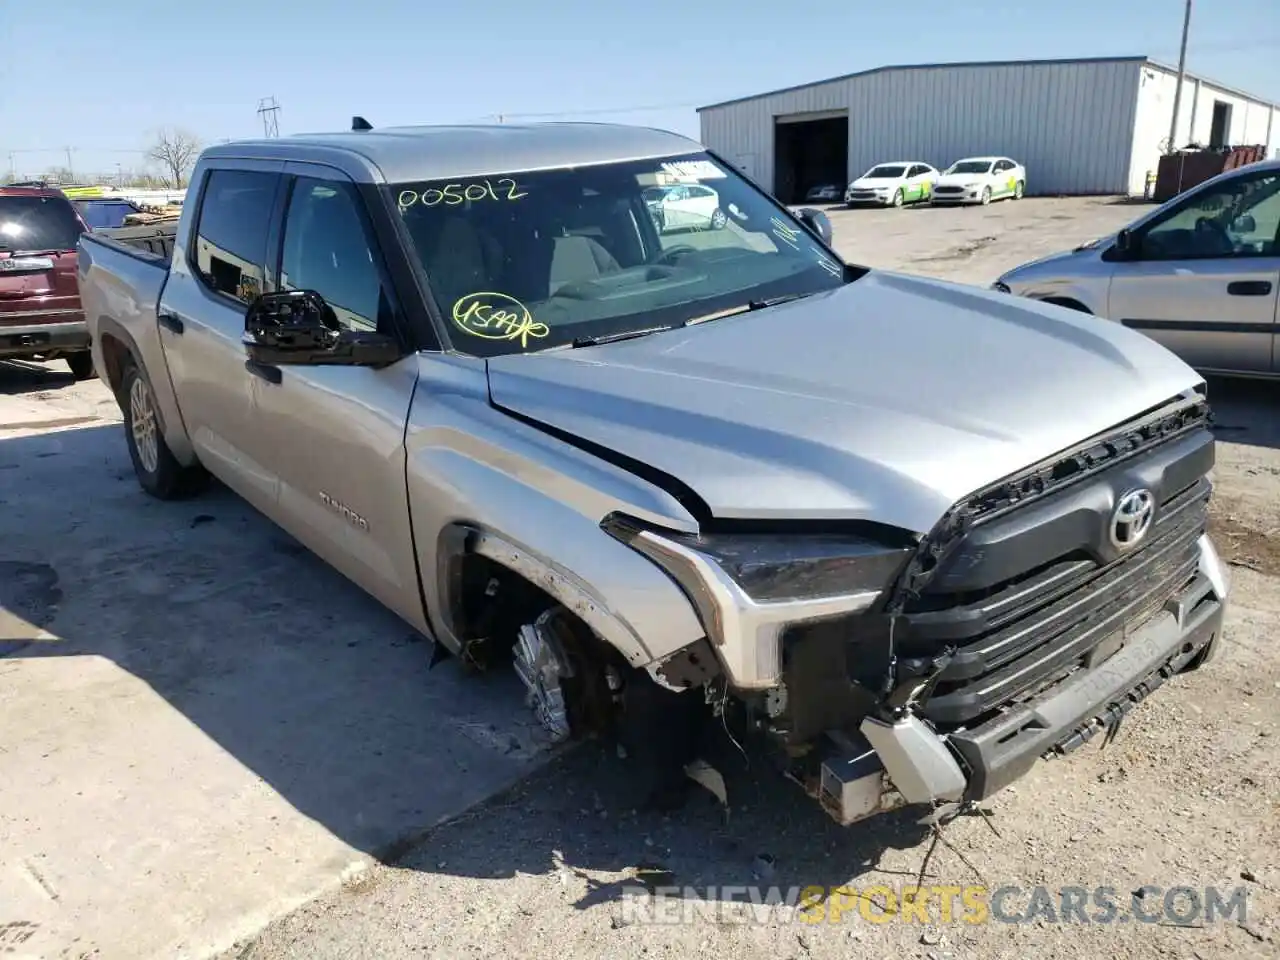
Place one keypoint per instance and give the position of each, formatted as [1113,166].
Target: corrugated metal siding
[1071,124]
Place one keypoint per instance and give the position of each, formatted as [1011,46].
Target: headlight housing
[749,587]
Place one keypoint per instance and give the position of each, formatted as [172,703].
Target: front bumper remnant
[1002,750]
[909,761]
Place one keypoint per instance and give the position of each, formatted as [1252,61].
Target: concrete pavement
[204,725]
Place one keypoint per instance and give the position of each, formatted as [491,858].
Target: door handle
[1249,288]
[171,321]
[264,370]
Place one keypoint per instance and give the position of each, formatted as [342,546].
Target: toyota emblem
[1132,518]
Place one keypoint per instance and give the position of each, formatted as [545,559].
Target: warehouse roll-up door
[810,150]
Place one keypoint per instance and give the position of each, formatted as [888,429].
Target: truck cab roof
[399,154]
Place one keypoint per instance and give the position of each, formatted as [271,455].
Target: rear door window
[231,236]
[29,223]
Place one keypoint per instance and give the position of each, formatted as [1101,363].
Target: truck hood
[888,399]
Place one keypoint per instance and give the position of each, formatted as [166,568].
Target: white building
[1092,126]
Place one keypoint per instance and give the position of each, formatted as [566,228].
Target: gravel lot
[1187,795]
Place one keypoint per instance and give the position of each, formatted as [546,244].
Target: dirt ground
[273,758]
[1188,795]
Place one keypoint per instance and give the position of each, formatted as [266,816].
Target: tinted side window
[1239,218]
[231,237]
[327,249]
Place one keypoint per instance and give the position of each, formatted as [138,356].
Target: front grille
[948,189]
[1009,640]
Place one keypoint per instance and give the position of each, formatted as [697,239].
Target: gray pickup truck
[683,472]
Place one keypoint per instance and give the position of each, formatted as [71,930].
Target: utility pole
[1182,69]
[269,110]
[71,170]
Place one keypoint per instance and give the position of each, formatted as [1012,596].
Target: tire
[986,196]
[718,219]
[81,365]
[1018,189]
[158,471]
[898,198]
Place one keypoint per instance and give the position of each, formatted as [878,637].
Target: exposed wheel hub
[542,664]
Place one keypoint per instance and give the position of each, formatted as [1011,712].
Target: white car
[980,180]
[824,193]
[893,184]
[685,206]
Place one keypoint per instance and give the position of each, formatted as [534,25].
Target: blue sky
[102,77]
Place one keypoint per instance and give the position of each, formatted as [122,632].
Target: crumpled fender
[481,481]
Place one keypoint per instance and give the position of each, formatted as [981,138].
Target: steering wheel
[1211,229]
[672,254]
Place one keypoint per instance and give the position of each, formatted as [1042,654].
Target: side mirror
[817,222]
[1125,247]
[1244,224]
[298,327]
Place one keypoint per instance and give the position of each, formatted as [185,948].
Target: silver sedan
[1199,274]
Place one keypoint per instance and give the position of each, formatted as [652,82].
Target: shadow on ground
[584,807]
[18,377]
[328,697]
[300,676]
[1246,411]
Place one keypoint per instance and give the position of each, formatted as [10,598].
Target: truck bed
[121,279]
[154,239]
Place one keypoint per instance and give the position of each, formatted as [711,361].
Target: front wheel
[718,219]
[898,198]
[1017,190]
[986,196]
[158,471]
[81,365]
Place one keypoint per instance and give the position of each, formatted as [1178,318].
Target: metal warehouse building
[1092,126]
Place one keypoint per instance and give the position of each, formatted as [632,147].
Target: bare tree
[176,152]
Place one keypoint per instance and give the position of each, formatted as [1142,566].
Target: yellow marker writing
[496,316]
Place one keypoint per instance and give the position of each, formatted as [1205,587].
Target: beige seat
[463,261]
[577,259]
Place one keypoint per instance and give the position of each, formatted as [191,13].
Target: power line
[594,112]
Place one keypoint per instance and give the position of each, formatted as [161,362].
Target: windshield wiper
[744,308]
[615,337]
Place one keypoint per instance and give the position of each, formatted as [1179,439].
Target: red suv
[40,313]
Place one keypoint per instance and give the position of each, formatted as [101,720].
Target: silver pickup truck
[684,472]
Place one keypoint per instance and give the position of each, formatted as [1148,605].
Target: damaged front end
[893,670]
[798,623]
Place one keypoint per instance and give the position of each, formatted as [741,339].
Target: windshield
[530,260]
[884,173]
[971,166]
[38,223]
[99,214]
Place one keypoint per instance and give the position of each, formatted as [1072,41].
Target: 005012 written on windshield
[455,194]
